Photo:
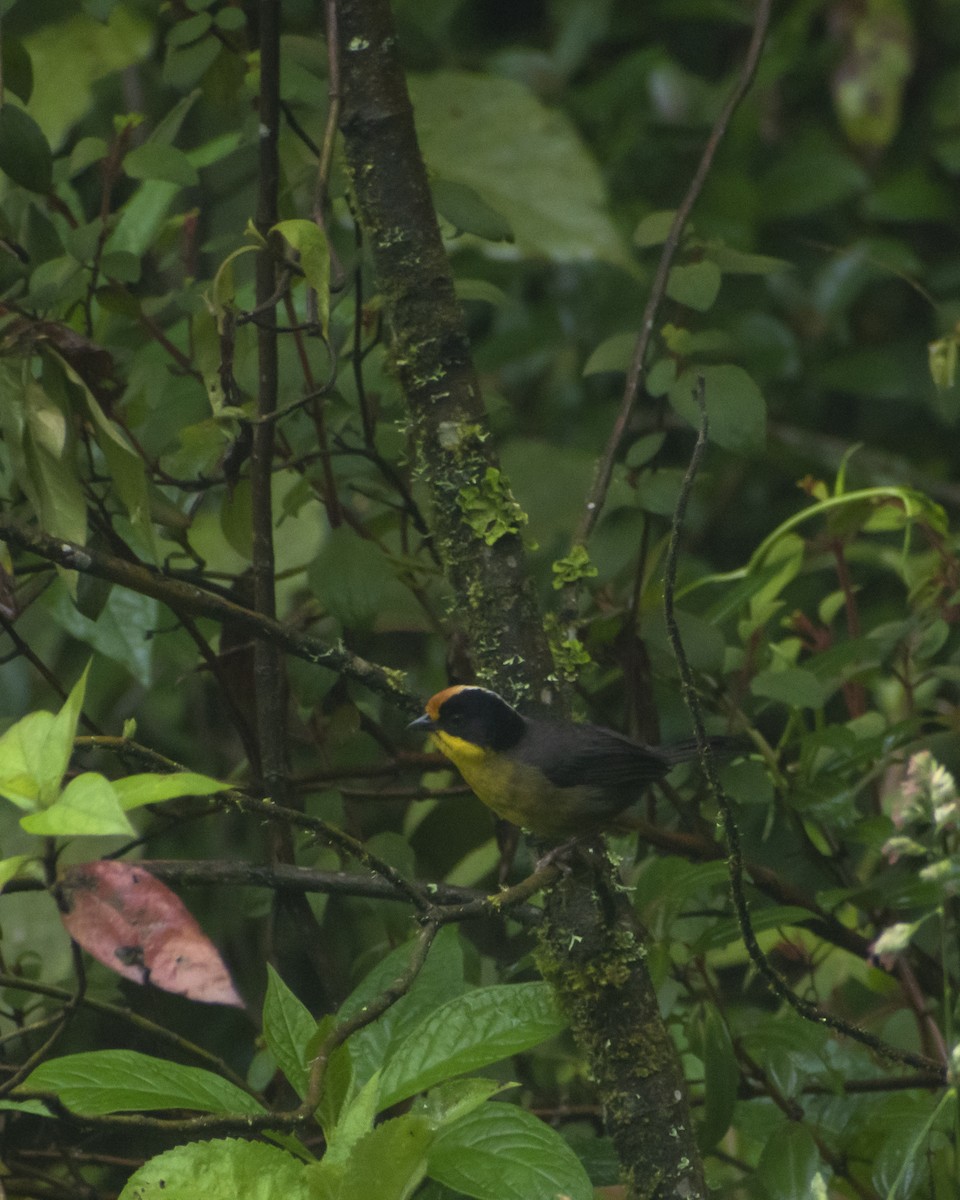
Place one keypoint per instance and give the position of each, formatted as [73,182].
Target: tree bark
[592,950]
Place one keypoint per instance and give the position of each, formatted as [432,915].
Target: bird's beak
[425,722]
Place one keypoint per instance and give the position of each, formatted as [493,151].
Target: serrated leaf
[389,1162]
[469,1032]
[109,1081]
[501,1152]
[221,1169]
[288,1029]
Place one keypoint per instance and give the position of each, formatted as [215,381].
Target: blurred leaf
[789,1162]
[477,130]
[24,152]
[695,285]
[736,410]
[878,59]
[134,791]
[613,354]
[793,686]
[135,925]
[467,212]
[309,240]
[721,1078]
[349,577]
[155,160]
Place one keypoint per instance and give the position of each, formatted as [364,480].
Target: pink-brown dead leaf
[136,926]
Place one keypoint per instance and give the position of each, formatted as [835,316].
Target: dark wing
[593,756]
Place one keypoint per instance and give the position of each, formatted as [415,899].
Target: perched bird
[556,778]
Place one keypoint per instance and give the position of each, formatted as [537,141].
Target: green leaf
[156,160]
[793,686]
[736,411]
[109,1081]
[613,354]
[470,1032]
[136,790]
[467,212]
[35,752]
[696,285]
[309,240]
[501,1152]
[288,1029]
[721,1077]
[654,228]
[25,154]
[439,980]
[88,805]
[789,1162]
[350,576]
[475,129]
[17,68]
[221,1169]
[389,1162]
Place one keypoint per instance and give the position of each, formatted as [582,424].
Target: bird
[556,778]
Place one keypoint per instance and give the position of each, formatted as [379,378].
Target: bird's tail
[681,752]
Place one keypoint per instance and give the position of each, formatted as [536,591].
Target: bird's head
[472,714]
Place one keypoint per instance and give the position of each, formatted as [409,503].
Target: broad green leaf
[11,867]
[476,130]
[695,284]
[389,1162]
[25,155]
[136,790]
[738,262]
[349,576]
[736,411]
[288,1029]
[501,1152]
[355,1121]
[654,228]
[456,1098]
[108,1081]
[36,1108]
[794,686]
[35,752]
[789,1162]
[467,212]
[88,805]
[440,980]
[221,1169]
[309,240]
[17,68]
[470,1032]
[70,55]
[122,631]
[721,1077]
[156,160]
[613,354]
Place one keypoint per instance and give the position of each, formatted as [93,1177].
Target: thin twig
[775,981]
[601,482]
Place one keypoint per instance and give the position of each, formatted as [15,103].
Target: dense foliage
[251,560]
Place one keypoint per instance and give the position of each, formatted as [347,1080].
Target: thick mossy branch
[431,352]
[593,951]
[590,949]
